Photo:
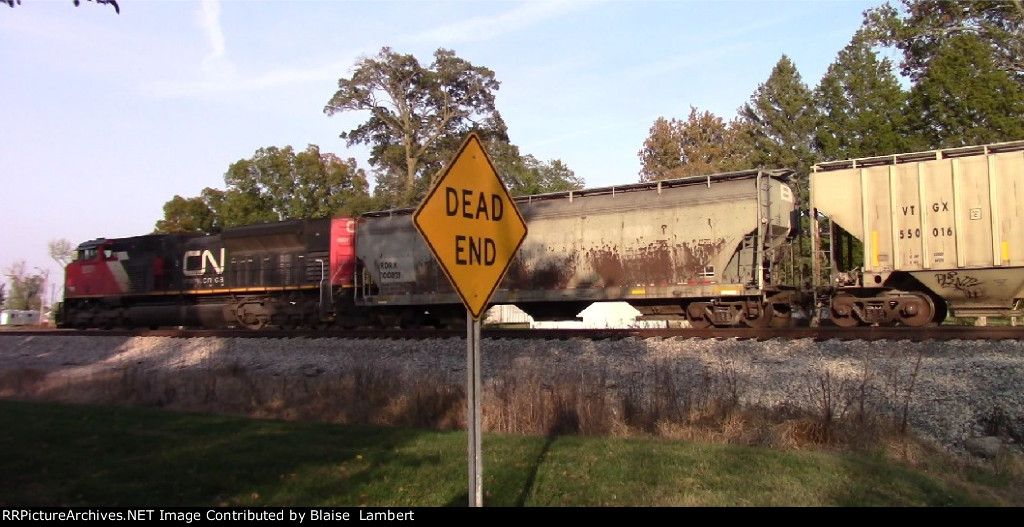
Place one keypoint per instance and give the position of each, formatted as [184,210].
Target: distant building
[17,317]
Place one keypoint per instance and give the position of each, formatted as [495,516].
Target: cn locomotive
[903,240]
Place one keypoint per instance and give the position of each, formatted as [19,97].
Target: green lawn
[64,455]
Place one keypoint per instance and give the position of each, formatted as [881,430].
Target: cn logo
[198,268]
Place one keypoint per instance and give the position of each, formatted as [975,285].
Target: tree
[525,175]
[781,120]
[26,289]
[920,28]
[117,9]
[417,115]
[662,155]
[862,106]
[278,184]
[964,98]
[199,214]
[703,144]
[275,184]
[61,251]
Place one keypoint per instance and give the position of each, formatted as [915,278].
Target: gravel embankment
[950,392]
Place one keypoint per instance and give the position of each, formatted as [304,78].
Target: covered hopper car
[699,249]
[910,238]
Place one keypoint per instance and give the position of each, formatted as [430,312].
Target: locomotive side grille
[314,270]
[137,277]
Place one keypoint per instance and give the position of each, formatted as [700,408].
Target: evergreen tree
[861,105]
[781,119]
[920,28]
[964,98]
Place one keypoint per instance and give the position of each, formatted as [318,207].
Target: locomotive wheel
[916,311]
[841,312]
[251,321]
[763,319]
[254,324]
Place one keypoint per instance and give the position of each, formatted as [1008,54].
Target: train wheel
[700,323]
[841,312]
[254,324]
[697,316]
[763,318]
[916,311]
[782,318]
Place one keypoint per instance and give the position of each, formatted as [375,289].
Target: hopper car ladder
[757,244]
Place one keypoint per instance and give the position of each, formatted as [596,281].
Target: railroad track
[937,333]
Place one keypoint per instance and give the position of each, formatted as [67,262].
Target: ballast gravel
[951,392]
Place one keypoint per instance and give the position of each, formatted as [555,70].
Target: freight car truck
[909,238]
[700,249]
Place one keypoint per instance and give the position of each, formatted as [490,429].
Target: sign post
[474,229]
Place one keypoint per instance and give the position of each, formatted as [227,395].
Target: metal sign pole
[473,394]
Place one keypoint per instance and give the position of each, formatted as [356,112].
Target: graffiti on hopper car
[967,284]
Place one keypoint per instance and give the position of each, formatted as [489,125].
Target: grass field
[71,455]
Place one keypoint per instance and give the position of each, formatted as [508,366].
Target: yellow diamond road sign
[472,225]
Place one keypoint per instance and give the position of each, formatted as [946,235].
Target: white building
[15,317]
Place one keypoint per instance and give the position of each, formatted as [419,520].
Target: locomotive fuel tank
[657,246]
[944,225]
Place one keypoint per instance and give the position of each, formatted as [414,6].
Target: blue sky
[106,117]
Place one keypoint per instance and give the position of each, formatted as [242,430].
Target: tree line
[964,76]
[960,82]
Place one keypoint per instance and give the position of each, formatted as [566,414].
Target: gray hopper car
[700,249]
[913,237]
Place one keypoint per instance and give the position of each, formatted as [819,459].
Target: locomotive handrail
[323,277]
